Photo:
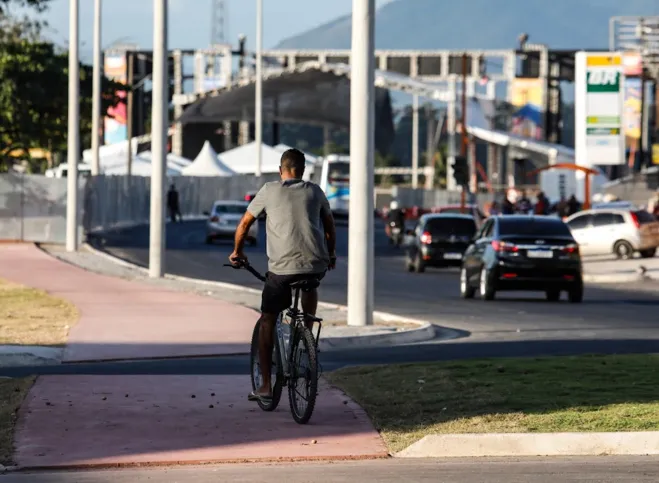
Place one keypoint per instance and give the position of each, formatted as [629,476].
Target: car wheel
[649,253]
[553,295]
[623,250]
[575,294]
[419,266]
[487,291]
[466,290]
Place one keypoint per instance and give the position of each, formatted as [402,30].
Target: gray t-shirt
[294,226]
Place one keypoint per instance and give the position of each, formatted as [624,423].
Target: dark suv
[529,253]
[439,241]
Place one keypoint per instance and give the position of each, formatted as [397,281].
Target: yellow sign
[528,91]
[655,154]
[603,60]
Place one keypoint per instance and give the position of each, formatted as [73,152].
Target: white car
[223,220]
[621,231]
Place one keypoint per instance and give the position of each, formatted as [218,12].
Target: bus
[335,182]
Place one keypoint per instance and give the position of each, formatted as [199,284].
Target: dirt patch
[32,317]
[12,394]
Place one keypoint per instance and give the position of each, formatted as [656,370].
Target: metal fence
[33,207]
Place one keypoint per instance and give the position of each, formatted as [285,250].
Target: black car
[439,241]
[522,252]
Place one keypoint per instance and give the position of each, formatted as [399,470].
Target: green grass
[586,393]
[12,393]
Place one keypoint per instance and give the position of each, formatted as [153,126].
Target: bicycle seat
[309,284]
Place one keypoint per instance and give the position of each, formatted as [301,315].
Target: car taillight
[500,246]
[635,220]
[215,219]
[572,249]
[426,238]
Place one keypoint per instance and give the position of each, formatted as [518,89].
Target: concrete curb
[425,331]
[122,225]
[533,444]
[617,278]
[17,356]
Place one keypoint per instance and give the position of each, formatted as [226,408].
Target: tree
[34,97]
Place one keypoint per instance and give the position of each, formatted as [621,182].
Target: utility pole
[130,107]
[96,91]
[258,102]
[159,119]
[362,165]
[73,145]
[464,143]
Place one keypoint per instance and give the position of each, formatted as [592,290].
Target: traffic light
[461,171]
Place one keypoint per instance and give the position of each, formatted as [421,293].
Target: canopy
[243,159]
[207,164]
[284,147]
[173,161]
[139,167]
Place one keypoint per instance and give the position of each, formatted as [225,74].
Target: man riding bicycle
[301,244]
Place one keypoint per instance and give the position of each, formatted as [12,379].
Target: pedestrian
[173,204]
[523,204]
[542,205]
[573,205]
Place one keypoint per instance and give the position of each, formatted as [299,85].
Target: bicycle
[286,370]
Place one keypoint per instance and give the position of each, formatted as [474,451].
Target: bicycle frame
[297,318]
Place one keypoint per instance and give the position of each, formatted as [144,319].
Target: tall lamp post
[258,101]
[96,91]
[362,164]
[158,139]
[73,145]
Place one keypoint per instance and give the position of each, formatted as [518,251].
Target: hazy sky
[130,21]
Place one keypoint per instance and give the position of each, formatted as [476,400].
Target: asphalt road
[612,312]
[548,470]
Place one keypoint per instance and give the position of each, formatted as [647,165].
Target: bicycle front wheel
[277,376]
[303,384]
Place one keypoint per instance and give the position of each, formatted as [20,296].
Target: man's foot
[258,395]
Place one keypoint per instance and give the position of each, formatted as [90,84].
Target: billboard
[632,111]
[599,106]
[116,68]
[528,98]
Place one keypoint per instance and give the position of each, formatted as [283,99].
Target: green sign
[603,80]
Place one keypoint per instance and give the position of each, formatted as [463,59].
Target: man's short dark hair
[293,161]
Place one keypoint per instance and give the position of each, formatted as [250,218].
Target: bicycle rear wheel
[255,370]
[303,383]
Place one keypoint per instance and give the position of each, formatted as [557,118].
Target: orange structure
[574,167]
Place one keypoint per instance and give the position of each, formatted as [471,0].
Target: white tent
[284,147]
[173,161]
[207,164]
[140,167]
[243,159]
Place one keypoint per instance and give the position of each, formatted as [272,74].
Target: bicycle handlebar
[244,264]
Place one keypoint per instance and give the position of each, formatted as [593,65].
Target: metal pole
[158,139]
[450,128]
[74,131]
[464,139]
[258,102]
[415,142]
[362,165]
[130,106]
[96,91]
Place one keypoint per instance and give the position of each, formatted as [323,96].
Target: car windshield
[451,226]
[644,217]
[533,227]
[230,209]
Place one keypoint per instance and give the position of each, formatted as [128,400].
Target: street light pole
[96,91]
[258,102]
[362,165]
[74,131]
[159,117]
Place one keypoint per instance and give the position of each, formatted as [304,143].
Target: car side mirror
[206,213]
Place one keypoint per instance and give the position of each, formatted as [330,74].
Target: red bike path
[77,421]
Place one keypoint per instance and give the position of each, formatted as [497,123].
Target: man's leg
[266,344]
[309,305]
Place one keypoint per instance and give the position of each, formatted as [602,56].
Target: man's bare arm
[330,233]
[241,231]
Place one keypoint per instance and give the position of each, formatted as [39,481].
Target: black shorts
[277,294]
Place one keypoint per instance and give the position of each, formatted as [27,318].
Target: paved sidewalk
[608,269]
[121,319]
[125,420]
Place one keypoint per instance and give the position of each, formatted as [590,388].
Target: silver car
[618,230]
[223,220]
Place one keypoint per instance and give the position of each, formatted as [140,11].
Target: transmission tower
[219,19]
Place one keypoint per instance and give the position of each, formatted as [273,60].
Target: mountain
[480,24]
